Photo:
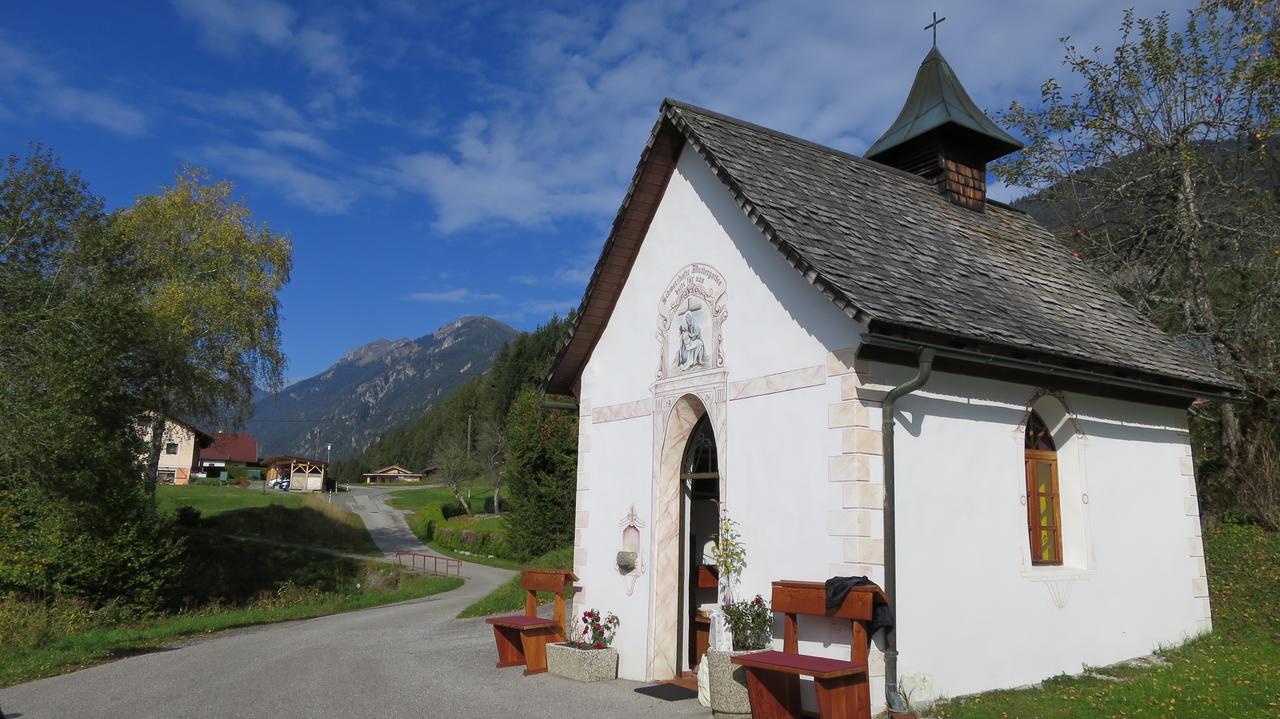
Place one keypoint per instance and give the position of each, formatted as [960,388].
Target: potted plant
[750,623]
[587,656]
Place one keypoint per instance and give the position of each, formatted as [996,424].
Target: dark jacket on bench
[839,587]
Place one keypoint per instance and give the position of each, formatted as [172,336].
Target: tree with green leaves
[1161,171]
[75,364]
[212,278]
[541,475]
[456,467]
[491,450]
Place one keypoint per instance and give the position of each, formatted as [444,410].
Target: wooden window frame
[1032,457]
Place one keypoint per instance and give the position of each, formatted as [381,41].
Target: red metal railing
[430,563]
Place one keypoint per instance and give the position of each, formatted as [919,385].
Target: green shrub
[187,516]
[540,476]
[206,482]
[451,510]
[482,542]
[111,548]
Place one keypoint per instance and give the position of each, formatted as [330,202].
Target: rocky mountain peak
[376,387]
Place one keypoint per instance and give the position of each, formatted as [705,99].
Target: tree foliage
[1161,171]
[456,467]
[541,475]
[94,313]
[76,361]
[211,282]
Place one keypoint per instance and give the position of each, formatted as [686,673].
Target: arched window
[700,470]
[1044,510]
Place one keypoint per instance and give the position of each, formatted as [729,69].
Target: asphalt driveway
[405,660]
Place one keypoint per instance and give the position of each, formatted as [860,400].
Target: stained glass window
[1044,511]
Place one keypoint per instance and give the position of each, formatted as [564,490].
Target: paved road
[406,660]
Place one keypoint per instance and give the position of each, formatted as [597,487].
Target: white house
[757,300]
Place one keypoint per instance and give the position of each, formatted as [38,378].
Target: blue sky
[430,160]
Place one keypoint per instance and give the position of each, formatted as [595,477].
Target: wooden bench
[843,687]
[522,638]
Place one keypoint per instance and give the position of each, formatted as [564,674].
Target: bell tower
[941,135]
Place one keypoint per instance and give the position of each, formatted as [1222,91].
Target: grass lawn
[510,597]
[1233,672]
[212,501]
[287,517]
[425,505]
[38,640]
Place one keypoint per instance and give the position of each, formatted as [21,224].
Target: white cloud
[260,107]
[559,133]
[226,24]
[305,186]
[576,274]
[297,140]
[229,27]
[538,309]
[455,295]
[28,82]
[325,54]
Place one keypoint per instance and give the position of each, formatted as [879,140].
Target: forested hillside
[486,399]
[374,389]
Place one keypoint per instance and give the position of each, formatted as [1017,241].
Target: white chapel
[874,369]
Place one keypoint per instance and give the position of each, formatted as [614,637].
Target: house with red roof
[229,449]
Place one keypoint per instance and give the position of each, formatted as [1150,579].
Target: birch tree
[213,276]
[1161,170]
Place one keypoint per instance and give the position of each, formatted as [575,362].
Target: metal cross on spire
[934,26]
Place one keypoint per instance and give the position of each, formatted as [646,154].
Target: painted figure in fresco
[692,352]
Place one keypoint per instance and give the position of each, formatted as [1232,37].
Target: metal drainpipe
[893,695]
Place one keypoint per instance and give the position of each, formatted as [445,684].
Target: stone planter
[728,684]
[584,665]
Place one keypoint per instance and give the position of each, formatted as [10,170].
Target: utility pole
[328,449]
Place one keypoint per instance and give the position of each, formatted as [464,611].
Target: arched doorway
[686,513]
[700,484]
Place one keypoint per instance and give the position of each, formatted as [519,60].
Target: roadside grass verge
[510,597]
[274,515]
[40,641]
[499,562]
[1232,672]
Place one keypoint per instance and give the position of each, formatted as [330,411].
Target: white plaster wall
[618,476]
[777,323]
[974,614]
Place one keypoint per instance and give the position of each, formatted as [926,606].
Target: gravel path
[404,660]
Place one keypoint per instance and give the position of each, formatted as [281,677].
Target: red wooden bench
[523,638]
[843,687]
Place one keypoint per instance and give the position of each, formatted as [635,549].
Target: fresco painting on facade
[690,350]
[690,315]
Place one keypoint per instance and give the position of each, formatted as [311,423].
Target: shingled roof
[891,251]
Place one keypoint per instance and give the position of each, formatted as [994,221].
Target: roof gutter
[1085,375]
[924,368]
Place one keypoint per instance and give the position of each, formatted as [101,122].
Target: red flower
[758,600]
[599,645]
[584,630]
